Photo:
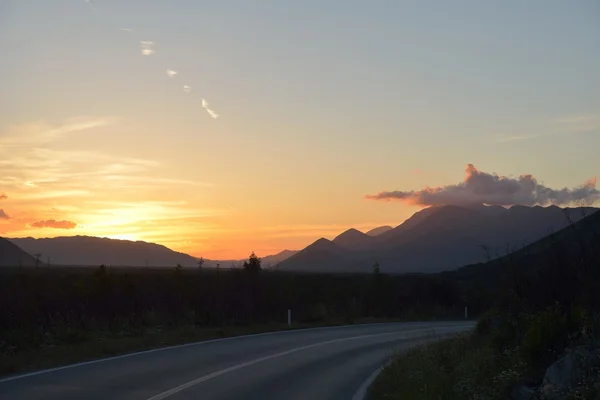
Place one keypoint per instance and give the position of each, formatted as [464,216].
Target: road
[321,363]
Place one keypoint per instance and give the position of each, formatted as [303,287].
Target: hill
[88,250]
[581,237]
[12,256]
[322,255]
[379,230]
[274,259]
[443,238]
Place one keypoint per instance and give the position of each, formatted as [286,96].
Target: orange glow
[51,190]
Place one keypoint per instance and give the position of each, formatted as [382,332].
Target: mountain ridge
[92,251]
[445,237]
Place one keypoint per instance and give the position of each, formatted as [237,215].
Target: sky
[224,127]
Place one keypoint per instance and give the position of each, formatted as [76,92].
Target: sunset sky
[224,127]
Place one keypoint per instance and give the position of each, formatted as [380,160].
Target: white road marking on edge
[205,378]
[361,393]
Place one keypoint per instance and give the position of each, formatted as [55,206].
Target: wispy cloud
[187,88]
[579,123]
[50,186]
[147,47]
[483,187]
[127,29]
[3,215]
[51,223]
[568,124]
[208,110]
[171,73]
[38,133]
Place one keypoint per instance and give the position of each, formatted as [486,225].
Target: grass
[461,368]
[487,364]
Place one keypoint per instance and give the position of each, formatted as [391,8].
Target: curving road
[321,363]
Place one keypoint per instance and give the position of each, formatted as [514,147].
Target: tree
[253,263]
[37,256]
[376,269]
[200,262]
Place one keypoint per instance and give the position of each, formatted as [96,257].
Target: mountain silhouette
[438,238]
[582,236]
[12,256]
[353,239]
[322,255]
[379,230]
[89,250]
[274,259]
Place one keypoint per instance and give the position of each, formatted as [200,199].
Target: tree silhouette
[376,269]
[253,263]
[37,257]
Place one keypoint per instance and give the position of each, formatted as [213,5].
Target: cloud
[208,110]
[171,73]
[187,88]
[127,29]
[3,215]
[568,124]
[51,223]
[147,47]
[37,133]
[483,187]
[3,196]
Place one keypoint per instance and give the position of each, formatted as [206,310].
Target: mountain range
[436,239]
[577,243]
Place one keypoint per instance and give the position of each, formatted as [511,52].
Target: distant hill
[88,250]
[12,256]
[379,230]
[439,238]
[273,260]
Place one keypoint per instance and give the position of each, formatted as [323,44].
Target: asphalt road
[322,363]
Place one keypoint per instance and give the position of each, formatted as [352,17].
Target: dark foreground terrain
[540,340]
[52,316]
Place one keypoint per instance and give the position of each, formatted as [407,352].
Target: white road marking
[361,393]
[205,378]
